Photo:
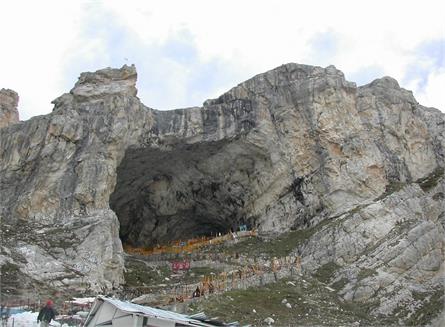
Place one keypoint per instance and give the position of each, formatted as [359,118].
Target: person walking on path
[46,314]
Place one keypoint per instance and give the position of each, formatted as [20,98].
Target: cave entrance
[178,194]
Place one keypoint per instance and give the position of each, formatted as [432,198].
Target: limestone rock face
[294,147]
[106,82]
[9,114]
[388,251]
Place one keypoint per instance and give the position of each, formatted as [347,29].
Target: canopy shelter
[112,312]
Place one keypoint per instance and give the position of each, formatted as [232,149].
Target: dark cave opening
[187,191]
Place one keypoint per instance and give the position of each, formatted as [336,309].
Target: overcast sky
[188,51]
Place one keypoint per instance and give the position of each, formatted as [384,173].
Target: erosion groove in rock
[289,148]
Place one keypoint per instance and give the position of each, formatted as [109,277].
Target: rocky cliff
[292,148]
[9,114]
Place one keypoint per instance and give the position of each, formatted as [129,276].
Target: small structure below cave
[112,312]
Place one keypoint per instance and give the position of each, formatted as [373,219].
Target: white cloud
[48,43]
[433,94]
[35,36]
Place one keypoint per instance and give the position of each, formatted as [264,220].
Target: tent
[112,312]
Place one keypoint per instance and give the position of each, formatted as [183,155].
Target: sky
[188,51]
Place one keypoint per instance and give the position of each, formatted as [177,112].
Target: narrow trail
[210,271]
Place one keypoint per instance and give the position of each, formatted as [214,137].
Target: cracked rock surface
[388,253]
[294,147]
[9,114]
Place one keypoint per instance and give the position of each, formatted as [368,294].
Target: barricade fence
[250,275]
[241,278]
[188,246]
[253,272]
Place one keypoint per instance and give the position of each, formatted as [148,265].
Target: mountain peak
[107,81]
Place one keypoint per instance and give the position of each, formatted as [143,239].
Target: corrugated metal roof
[152,312]
[148,311]
[199,316]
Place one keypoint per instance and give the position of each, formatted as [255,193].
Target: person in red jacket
[46,314]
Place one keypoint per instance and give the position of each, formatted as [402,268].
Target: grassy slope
[312,304]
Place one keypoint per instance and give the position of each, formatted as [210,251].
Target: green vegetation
[430,181]
[438,196]
[432,305]
[312,304]
[326,272]
[427,183]
[365,273]
[362,310]
[9,277]
[62,240]
[139,274]
[338,285]
[280,246]
[392,187]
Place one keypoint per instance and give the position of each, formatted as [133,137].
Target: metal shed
[112,312]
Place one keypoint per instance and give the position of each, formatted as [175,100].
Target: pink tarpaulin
[180,265]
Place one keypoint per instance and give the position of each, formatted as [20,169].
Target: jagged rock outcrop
[388,252]
[291,148]
[9,114]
